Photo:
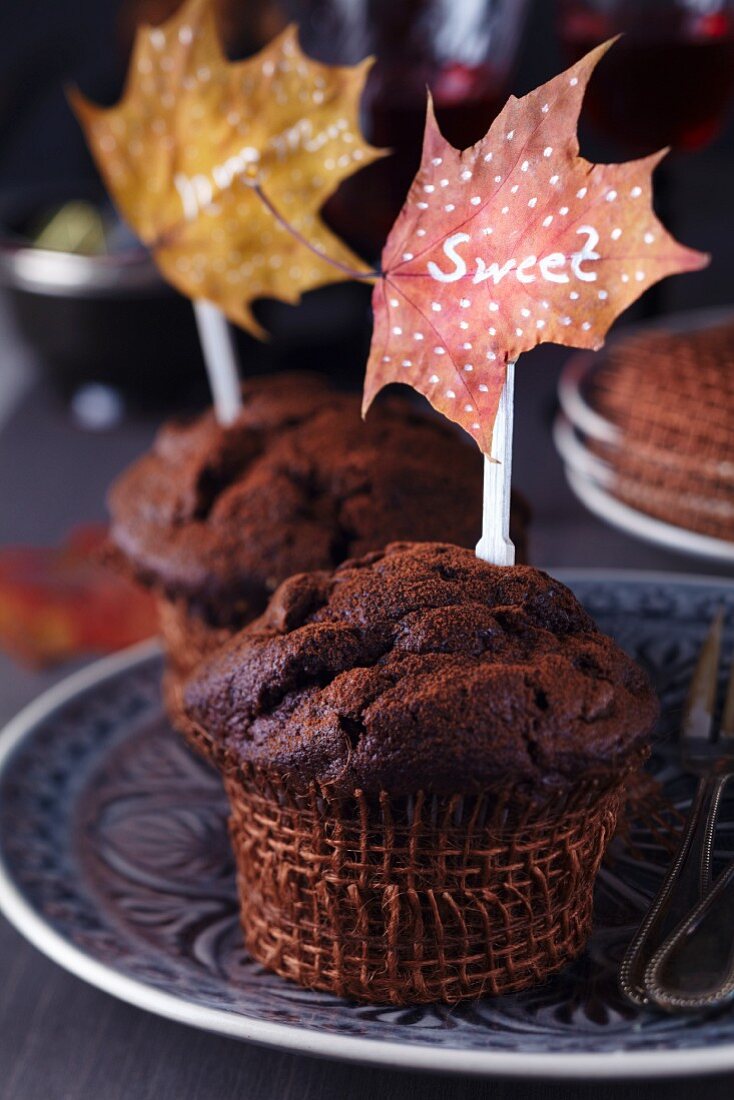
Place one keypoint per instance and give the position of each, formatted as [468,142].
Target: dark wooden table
[63,1040]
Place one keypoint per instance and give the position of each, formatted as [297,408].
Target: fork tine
[727,718]
[699,710]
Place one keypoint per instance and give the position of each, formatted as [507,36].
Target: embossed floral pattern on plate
[114,837]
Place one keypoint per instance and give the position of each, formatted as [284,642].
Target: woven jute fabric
[695,497]
[705,515]
[186,636]
[187,640]
[420,899]
[671,396]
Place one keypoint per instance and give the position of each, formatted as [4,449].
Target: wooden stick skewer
[495,546]
[220,359]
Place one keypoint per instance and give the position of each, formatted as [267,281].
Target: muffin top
[421,667]
[220,516]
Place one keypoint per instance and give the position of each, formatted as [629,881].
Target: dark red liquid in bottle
[365,207]
[464,54]
[667,81]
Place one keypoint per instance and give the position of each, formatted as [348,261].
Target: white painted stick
[220,359]
[494,546]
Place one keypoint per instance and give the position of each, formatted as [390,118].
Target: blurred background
[95,350]
[101,317]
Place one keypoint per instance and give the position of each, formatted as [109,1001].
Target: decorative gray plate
[114,861]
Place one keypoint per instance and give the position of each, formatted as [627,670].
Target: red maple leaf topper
[515,241]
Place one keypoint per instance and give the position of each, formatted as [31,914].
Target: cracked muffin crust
[214,519]
[423,668]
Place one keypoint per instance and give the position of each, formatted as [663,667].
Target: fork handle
[685,884]
[694,967]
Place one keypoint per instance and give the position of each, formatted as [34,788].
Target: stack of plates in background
[646,433]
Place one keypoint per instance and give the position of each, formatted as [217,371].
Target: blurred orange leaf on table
[59,602]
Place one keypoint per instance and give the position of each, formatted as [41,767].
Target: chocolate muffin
[425,756]
[213,519]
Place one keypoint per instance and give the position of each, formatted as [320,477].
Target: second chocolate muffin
[213,519]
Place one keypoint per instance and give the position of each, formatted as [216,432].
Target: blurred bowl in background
[105,319]
[110,320]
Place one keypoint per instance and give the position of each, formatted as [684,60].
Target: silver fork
[656,962]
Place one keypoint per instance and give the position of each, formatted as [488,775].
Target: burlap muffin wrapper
[672,459]
[187,640]
[423,898]
[187,637]
[697,495]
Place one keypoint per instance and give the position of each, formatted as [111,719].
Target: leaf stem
[348,271]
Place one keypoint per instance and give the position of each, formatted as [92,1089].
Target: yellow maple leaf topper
[222,167]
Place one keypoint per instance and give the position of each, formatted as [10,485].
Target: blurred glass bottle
[463,50]
[668,80]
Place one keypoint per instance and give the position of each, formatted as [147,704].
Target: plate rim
[614,1065]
